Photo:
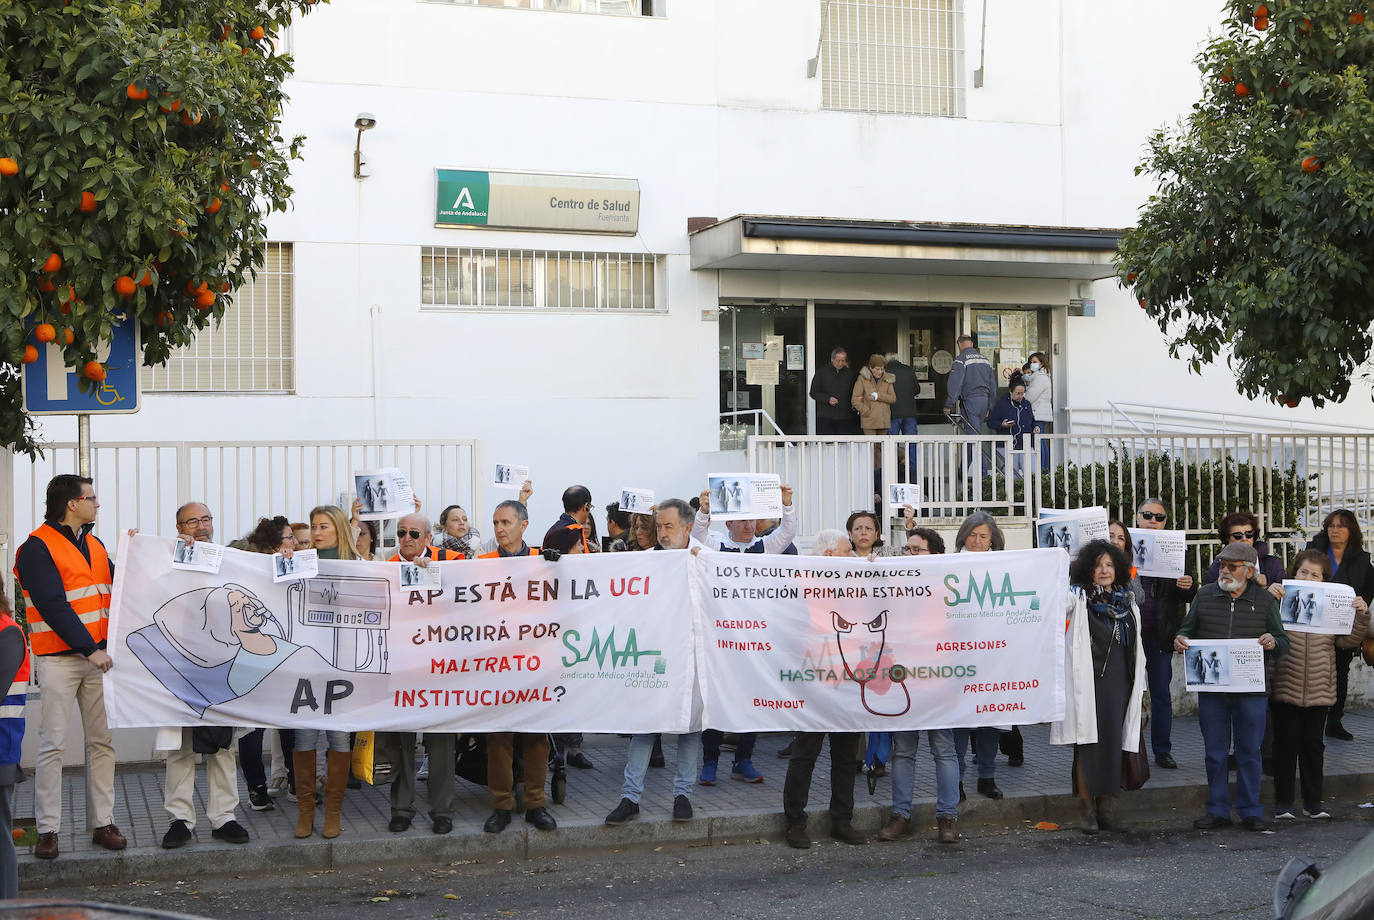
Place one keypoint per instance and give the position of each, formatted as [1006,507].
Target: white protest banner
[383,494]
[1318,607]
[1070,529]
[1223,666]
[744,496]
[598,643]
[830,644]
[1158,553]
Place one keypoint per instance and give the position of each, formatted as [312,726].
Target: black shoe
[845,833]
[1254,823]
[1211,822]
[398,824]
[178,835]
[624,812]
[1230,763]
[259,799]
[580,760]
[1166,760]
[499,821]
[963,796]
[1016,760]
[230,832]
[354,782]
[988,787]
[442,824]
[785,753]
[1336,730]
[540,818]
[682,809]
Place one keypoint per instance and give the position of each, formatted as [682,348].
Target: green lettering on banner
[463,197]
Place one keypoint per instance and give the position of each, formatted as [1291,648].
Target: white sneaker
[1319,814]
[1286,815]
[277,787]
[422,771]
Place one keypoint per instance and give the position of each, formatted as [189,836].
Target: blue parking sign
[53,388]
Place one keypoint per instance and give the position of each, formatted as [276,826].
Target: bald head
[195,522]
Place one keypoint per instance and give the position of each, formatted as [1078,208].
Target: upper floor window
[893,56]
[539,279]
[603,7]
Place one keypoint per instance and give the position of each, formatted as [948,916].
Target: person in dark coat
[1244,526]
[1343,543]
[831,389]
[903,410]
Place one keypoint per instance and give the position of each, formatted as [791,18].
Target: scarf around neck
[1113,605]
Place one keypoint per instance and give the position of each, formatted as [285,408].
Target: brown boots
[338,764]
[304,763]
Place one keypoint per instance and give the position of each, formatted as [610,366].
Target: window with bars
[893,56]
[603,7]
[537,279]
[252,348]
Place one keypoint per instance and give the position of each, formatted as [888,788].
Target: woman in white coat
[1039,393]
[1104,680]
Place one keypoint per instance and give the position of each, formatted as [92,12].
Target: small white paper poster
[191,556]
[744,496]
[760,373]
[303,563]
[510,476]
[772,347]
[1070,529]
[636,501]
[1158,553]
[1317,607]
[925,390]
[796,357]
[751,351]
[421,576]
[383,494]
[901,494]
[1224,666]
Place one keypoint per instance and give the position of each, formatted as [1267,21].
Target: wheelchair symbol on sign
[107,390]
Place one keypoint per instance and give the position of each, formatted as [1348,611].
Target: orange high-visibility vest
[496,554]
[12,708]
[88,586]
[434,553]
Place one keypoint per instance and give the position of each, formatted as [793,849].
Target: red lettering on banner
[778,704]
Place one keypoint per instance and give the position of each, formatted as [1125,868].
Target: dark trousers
[1159,673]
[1222,716]
[501,774]
[844,767]
[287,736]
[710,745]
[250,759]
[442,751]
[1298,732]
[834,425]
[1343,658]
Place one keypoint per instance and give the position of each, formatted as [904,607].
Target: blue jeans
[1045,428]
[637,764]
[904,745]
[307,737]
[905,426]
[984,750]
[1220,715]
[710,745]
[1159,673]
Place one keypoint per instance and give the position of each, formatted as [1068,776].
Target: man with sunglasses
[1244,527]
[67,578]
[413,546]
[1161,612]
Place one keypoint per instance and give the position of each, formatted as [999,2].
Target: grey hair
[521,512]
[684,511]
[1152,500]
[891,356]
[417,514]
[827,540]
[978,519]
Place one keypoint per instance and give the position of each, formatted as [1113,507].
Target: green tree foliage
[1259,243]
[138,141]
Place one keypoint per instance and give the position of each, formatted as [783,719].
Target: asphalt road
[1170,872]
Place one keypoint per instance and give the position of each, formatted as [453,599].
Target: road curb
[201,860]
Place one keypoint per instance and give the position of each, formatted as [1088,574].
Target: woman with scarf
[1104,680]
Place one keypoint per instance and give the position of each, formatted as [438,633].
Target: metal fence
[141,484]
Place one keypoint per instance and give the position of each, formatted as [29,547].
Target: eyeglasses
[916,551]
[1235,566]
[1243,535]
[1152,516]
[196,522]
[85,498]
[413,534]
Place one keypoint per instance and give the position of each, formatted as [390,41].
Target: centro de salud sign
[536,201]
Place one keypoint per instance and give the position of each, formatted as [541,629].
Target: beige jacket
[1306,676]
[874,413]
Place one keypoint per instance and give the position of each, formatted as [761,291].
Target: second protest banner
[830,644]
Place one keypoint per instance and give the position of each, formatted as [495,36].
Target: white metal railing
[1123,418]
[141,484]
[603,7]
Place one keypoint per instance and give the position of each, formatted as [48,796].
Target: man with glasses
[1161,612]
[196,524]
[831,388]
[67,578]
[413,546]
[1244,527]
[1234,608]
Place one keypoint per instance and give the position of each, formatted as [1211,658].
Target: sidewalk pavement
[1039,790]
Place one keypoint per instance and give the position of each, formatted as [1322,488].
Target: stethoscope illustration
[897,674]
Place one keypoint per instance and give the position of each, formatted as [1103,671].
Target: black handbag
[1135,767]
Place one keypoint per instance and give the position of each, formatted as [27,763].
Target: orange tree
[139,156]
[1258,246]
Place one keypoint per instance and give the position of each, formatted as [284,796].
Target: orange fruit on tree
[1261,11]
[224,33]
[44,332]
[1242,89]
[224,288]
[125,286]
[30,356]
[146,280]
[67,337]
[164,319]
[1131,276]
[9,166]
[1305,26]
[52,263]
[1261,23]
[46,286]
[224,186]
[174,106]
[213,207]
[257,33]
[88,203]
[135,93]
[94,370]
[1311,164]
[66,307]
[1142,303]
[205,299]
[1357,18]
